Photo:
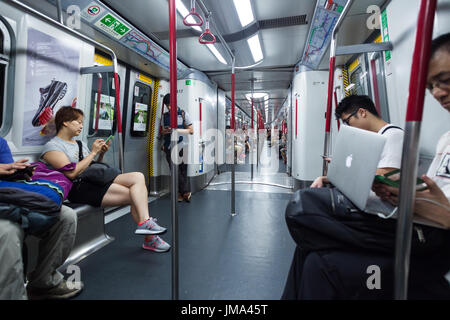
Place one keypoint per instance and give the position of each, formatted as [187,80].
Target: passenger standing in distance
[360,112]
[126,189]
[45,282]
[434,203]
[184,126]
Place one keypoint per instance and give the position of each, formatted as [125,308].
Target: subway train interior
[257,84]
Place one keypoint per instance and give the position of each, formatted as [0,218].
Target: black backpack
[324,219]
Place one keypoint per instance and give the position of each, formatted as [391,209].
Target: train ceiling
[282,26]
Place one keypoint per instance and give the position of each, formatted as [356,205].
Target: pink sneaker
[156,244]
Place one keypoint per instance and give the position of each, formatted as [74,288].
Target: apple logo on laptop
[348,161]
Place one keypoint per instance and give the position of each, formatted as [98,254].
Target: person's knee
[136,177]
[11,234]
[68,218]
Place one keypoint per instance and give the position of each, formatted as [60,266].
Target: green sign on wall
[385,35]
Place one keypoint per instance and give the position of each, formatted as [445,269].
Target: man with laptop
[345,274]
[360,112]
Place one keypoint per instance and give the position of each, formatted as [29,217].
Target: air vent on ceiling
[283,22]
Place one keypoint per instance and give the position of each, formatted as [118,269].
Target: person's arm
[103,150]
[319,182]
[189,130]
[383,171]
[10,168]
[58,159]
[431,203]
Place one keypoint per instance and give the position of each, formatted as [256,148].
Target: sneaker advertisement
[52,71]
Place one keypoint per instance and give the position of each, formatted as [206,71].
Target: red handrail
[117,89]
[200,110]
[375,86]
[233,79]
[252,113]
[418,78]
[207,33]
[296,116]
[193,13]
[335,106]
[330,93]
[99,95]
[173,64]
[421,56]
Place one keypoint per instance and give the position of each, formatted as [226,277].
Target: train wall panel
[136,147]
[309,106]
[191,93]
[401,32]
[221,124]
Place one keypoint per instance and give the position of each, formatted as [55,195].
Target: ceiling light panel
[255,47]
[216,53]
[244,11]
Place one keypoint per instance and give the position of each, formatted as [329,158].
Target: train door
[5,63]
[367,77]
[358,74]
[139,104]
[102,120]
[378,84]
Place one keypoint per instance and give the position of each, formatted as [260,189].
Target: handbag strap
[80,150]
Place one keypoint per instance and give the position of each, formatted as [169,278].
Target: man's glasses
[347,120]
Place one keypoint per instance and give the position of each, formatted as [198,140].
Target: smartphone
[420,184]
[110,137]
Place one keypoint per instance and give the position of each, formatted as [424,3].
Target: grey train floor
[221,257]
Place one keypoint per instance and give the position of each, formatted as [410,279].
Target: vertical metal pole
[173,125]
[118,115]
[99,95]
[233,124]
[326,147]
[418,78]
[251,149]
[59,9]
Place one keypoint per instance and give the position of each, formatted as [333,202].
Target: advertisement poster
[106,113]
[140,117]
[51,82]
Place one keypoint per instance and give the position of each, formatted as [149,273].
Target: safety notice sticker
[92,12]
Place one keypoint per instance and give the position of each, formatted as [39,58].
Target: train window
[1,43]
[357,79]
[2,89]
[378,82]
[140,112]
[102,120]
[6,64]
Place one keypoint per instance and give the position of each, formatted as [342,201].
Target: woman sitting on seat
[125,189]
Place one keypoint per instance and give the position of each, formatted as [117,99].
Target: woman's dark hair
[65,114]
[352,103]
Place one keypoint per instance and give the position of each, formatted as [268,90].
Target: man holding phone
[45,282]
[184,126]
[434,203]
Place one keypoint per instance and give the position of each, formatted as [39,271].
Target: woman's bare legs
[129,189]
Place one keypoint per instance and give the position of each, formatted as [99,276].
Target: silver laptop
[355,159]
